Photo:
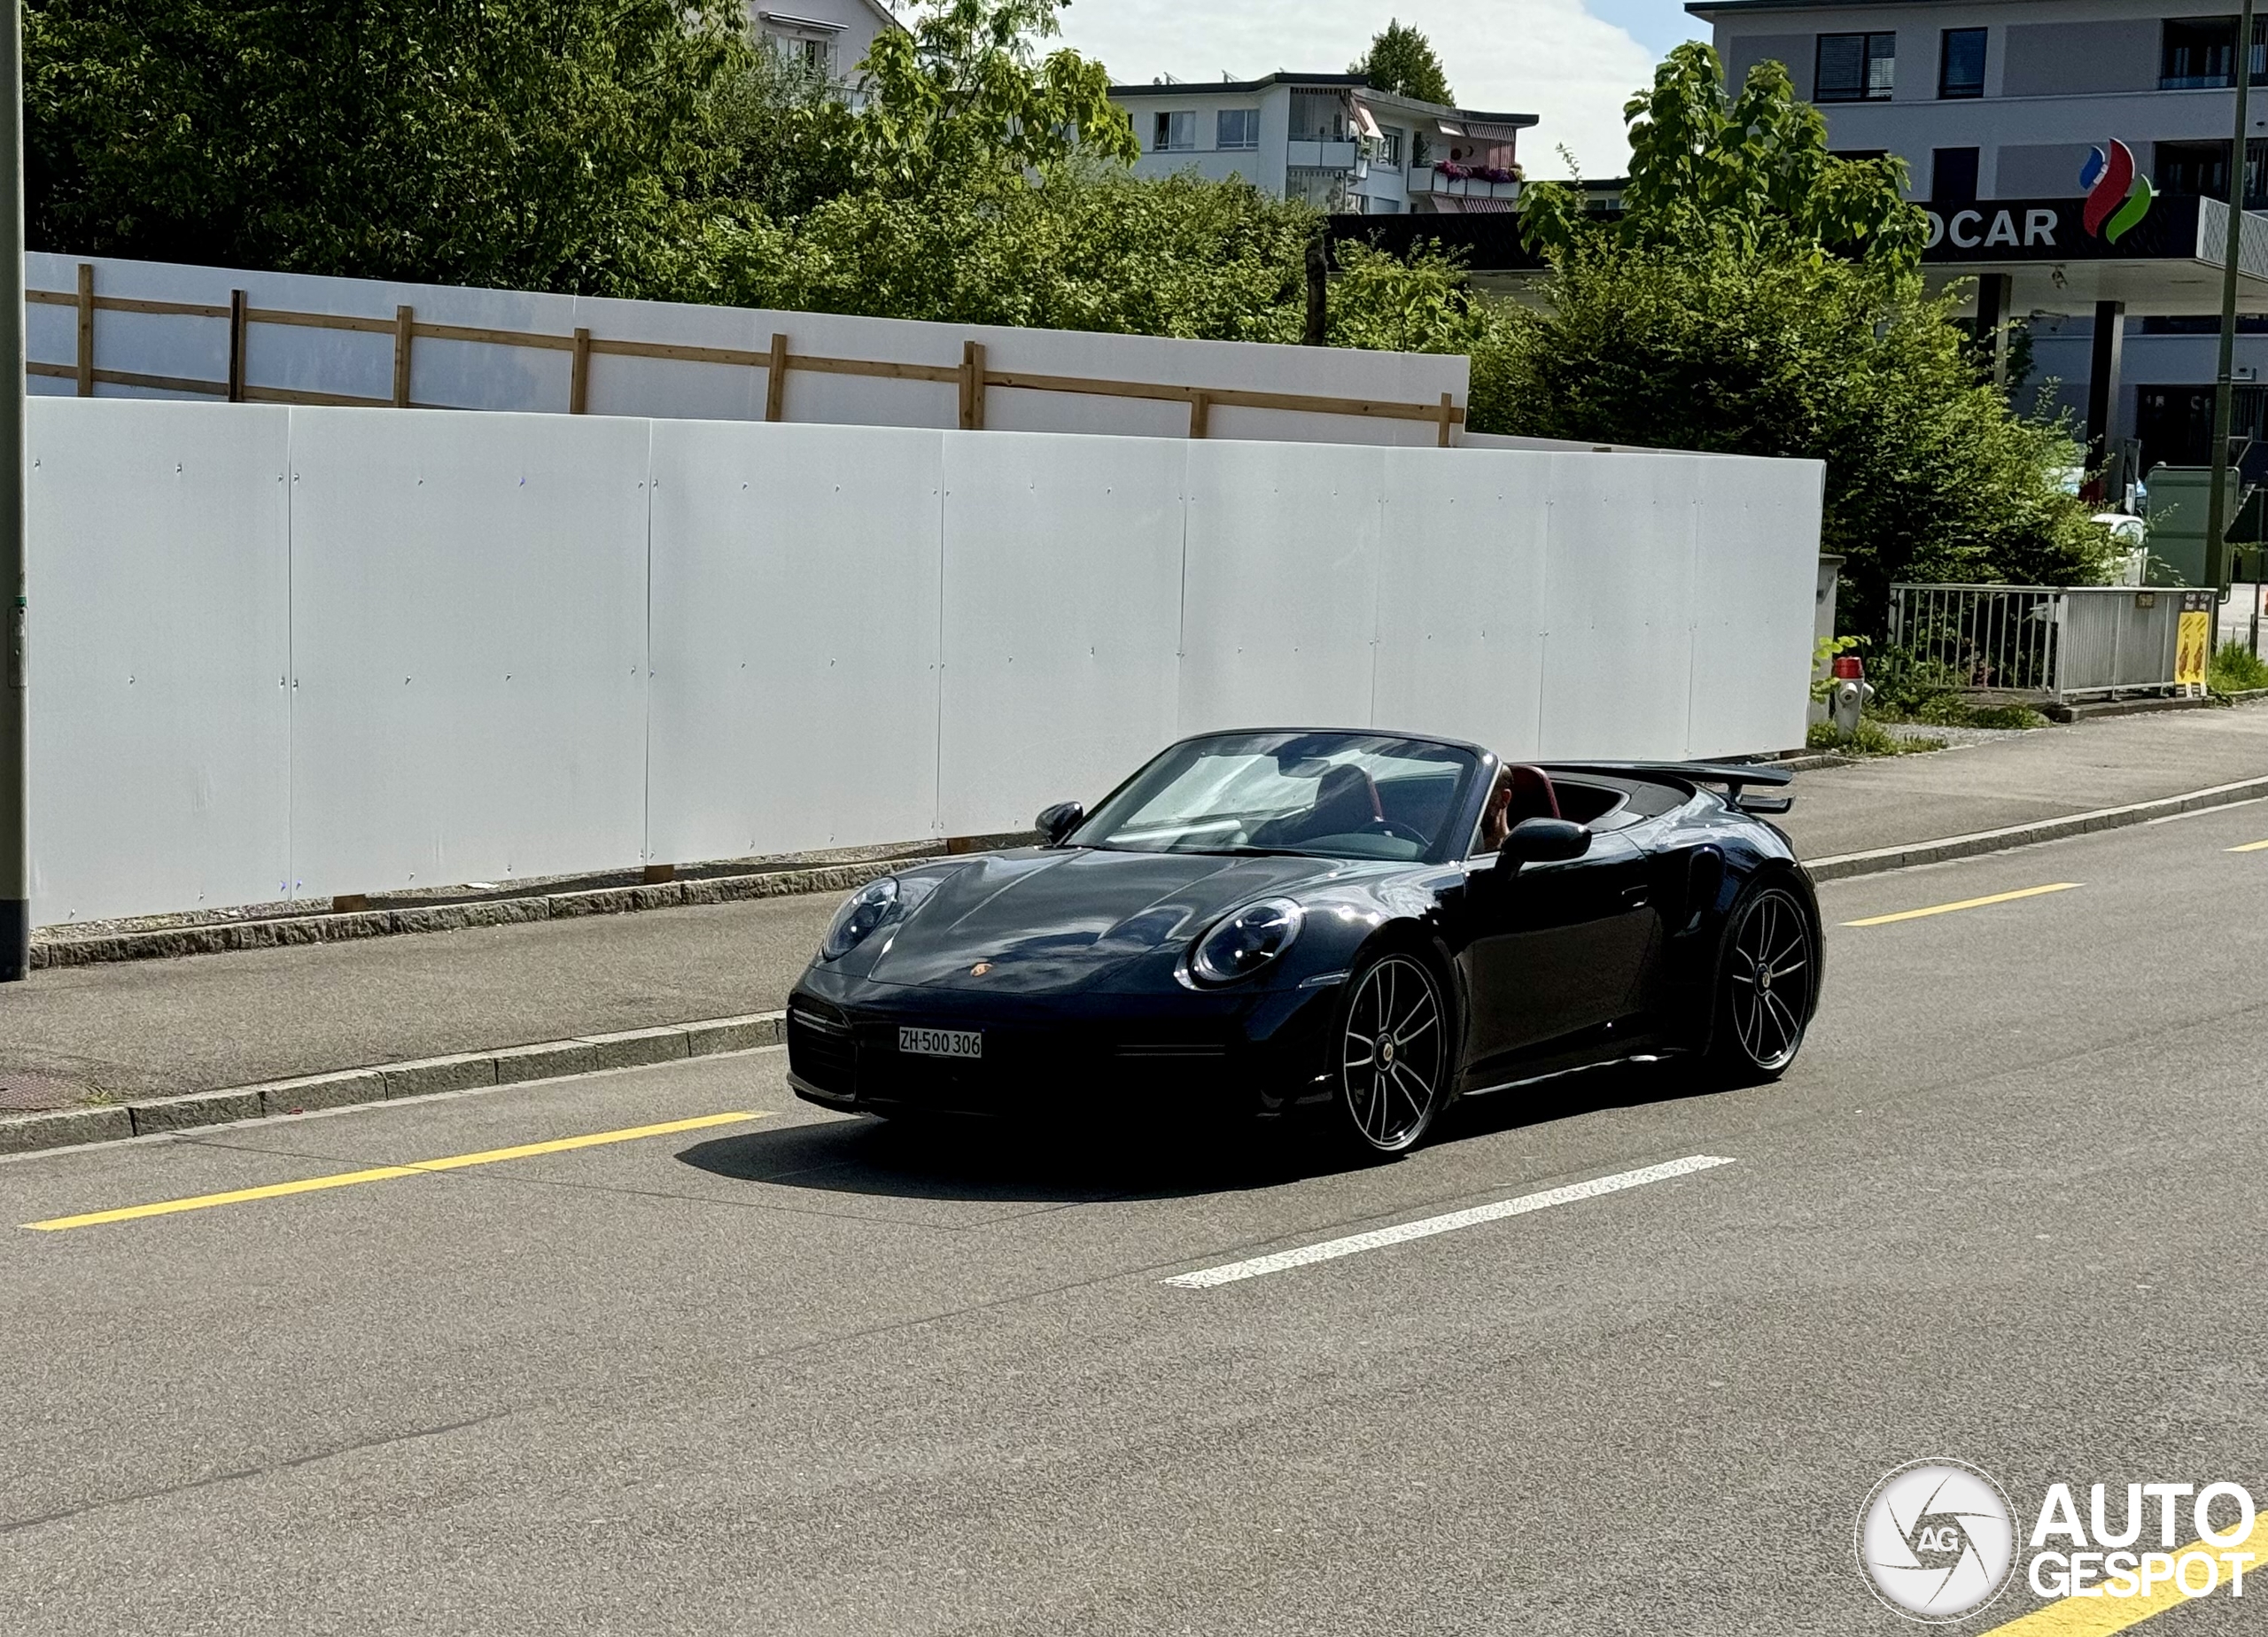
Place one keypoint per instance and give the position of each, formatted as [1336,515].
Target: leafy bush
[1911,688]
[2236,668]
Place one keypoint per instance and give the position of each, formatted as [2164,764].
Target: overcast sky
[1573,63]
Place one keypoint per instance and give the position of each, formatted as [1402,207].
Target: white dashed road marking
[1229,1273]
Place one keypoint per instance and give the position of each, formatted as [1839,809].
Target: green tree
[786,133]
[1752,172]
[961,98]
[554,144]
[1084,247]
[1401,60]
[1760,296]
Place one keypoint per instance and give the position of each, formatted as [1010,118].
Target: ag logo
[1937,1540]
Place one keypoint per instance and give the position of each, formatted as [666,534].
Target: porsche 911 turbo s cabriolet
[1372,924]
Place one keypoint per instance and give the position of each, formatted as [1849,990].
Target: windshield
[1333,795]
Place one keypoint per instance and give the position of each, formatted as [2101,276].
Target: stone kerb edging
[550,1060]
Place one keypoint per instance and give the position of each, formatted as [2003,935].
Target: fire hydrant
[1849,695]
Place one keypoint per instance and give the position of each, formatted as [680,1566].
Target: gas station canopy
[2167,264]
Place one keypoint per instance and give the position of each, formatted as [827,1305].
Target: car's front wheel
[1767,979]
[1393,1053]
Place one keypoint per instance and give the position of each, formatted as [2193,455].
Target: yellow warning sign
[2193,649]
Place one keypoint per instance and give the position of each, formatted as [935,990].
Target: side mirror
[1055,823]
[1543,841]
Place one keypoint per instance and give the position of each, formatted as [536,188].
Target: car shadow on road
[1005,1162]
[1009,1162]
[1567,1096]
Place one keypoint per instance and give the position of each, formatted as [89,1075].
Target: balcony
[1320,155]
[1464,182]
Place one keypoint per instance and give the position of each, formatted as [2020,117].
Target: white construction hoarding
[303,652]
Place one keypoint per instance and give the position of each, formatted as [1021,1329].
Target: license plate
[944,1043]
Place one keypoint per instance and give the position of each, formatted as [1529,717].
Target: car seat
[1532,796]
[1346,801]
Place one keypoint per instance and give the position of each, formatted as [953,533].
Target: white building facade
[831,37]
[1329,139]
[1997,106]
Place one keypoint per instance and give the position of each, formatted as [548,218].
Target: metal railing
[2056,642]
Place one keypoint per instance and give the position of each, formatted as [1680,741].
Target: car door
[1553,951]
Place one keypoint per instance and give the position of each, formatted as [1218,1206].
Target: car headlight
[861,913]
[1246,942]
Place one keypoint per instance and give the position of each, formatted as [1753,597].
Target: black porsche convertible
[1376,924]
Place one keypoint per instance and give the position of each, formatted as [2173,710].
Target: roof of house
[787,13]
[1320,82]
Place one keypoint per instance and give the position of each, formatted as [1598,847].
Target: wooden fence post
[972,386]
[1448,409]
[579,378]
[86,329]
[237,323]
[403,318]
[1200,414]
[775,380]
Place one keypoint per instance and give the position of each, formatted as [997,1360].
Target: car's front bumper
[1074,1054]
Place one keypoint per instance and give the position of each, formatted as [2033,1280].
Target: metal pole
[15,857]
[2216,546]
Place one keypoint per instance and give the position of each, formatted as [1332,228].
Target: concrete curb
[354,925]
[1841,865]
[550,1060]
[2097,709]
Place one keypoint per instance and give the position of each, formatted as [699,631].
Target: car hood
[1052,919]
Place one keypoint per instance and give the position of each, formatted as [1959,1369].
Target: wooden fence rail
[971,377]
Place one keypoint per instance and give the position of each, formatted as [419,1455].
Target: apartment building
[1331,139]
[1998,108]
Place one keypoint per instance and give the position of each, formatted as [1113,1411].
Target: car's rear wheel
[1766,980]
[1393,1053]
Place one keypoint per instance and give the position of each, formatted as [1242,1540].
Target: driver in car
[1497,817]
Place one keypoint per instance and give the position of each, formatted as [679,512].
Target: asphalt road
[794,1373]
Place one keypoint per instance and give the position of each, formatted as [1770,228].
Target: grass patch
[2235,669]
[1952,711]
[1870,739]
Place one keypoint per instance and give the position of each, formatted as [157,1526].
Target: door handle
[1635,897]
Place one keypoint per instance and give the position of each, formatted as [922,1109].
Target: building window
[1240,128]
[2183,168]
[1386,150]
[1961,66]
[1953,176]
[2197,52]
[815,57]
[1855,67]
[1175,133]
[2191,169]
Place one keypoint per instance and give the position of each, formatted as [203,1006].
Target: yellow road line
[382,1173]
[1964,904]
[2251,847]
[2097,1616]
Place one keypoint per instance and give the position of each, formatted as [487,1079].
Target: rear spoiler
[1734,776]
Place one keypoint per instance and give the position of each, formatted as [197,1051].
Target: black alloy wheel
[1768,979]
[1393,1054]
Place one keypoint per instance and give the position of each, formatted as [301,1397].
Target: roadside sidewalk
[152,1029]
[2047,773]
